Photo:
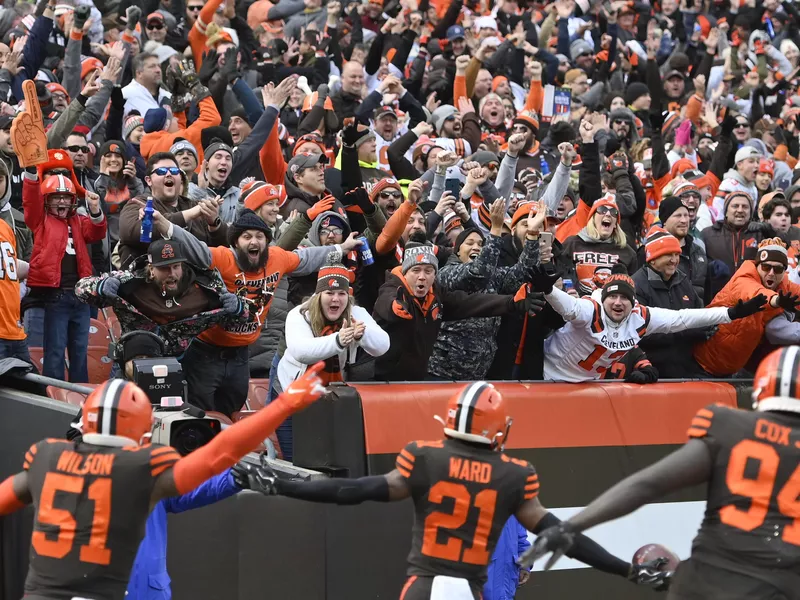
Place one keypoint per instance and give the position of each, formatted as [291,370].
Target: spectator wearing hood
[624,130]
[741,178]
[728,351]
[661,283]
[117,183]
[465,349]
[729,242]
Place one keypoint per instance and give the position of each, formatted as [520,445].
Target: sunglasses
[64,172]
[620,122]
[84,149]
[739,125]
[387,195]
[194,8]
[607,210]
[777,269]
[155,26]
[161,171]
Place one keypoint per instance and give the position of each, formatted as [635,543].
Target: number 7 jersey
[463,495]
[91,504]
[752,519]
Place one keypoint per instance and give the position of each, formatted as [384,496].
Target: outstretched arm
[379,488]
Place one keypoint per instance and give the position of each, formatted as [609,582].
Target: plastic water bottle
[146,235]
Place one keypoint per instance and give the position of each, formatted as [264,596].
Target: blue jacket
[503,571]
[149,578]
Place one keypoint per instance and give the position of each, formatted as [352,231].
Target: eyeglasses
[607,210]
[777,269]
[155,26]
[387,195]
[331,231]
[161,171]
[619,122]
[84,149]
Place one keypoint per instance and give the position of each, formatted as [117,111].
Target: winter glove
[780,136]
[719,269]
[656,120]
[643,375]
[191,80]
[528,303]
[132,16]
[322,94]
[788,301]
[117,99]
[650,573]
[557,539]
[320,207]
[260,478]
[230,68]
[304,390]
[351,134]
[359,197]
[618,160]
[728,125]
[231,303]
[746,308]
[543,279]
[109,288]
[80,16]
[683,135]
[208,68]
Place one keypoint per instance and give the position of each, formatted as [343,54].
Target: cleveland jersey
[589,343]
[752,518]
[91,505]
[463,495]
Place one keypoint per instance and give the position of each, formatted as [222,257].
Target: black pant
[419,588]
[218,377]
[695,580]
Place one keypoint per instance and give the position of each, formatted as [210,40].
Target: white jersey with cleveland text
[590,342]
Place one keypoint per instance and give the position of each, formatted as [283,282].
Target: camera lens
[188,436]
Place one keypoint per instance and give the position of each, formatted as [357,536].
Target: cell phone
[453,186]
[546,238]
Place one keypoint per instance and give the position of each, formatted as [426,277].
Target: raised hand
[567,152]
[304,390]
[497,216]
[465,106]
[446,159]
[27,130]
[416,189]
[515,144]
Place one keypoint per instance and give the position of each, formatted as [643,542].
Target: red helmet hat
[776,385]
[118,413]
[58,184]
[477,414]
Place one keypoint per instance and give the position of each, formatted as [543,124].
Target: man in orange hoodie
[162,128]
[728,351]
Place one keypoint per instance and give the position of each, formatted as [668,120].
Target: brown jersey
[752,519]
[91,506]
[463,495]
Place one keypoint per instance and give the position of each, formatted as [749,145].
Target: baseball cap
[155,16]
[746,152]
[5,121]
[673,73]
[455,32]
[165,252]
[304,160]
[384,111]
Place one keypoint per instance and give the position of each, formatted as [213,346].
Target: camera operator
[163,292]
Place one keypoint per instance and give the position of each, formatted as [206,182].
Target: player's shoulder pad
[526,470]
[707,417]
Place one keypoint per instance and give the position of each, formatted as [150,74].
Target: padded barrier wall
[581,438]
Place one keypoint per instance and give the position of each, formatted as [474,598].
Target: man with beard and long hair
[216,363]
[162,292]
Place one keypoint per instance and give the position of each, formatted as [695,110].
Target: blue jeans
[66,327]
[34,326]
[15,349]
[284,431]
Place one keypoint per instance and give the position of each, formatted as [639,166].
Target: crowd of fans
[400,189]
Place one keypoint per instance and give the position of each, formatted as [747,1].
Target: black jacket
[693,264]
[670,353]
[413,325]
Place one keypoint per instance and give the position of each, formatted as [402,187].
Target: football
[652,552]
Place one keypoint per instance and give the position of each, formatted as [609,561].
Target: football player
[92,497]
[748,546]
[464,490]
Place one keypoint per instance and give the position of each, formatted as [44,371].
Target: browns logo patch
[58,156]
[764,255]
[167,252]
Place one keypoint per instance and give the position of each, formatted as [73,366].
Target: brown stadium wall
[581,438]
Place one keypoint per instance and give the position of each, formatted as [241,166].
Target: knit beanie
[140,344]
[216,146]
[772,250]
[682,187]
[619,282]
[247,220]
[668,206]
[522,212]
[114,147]
[419,254]
[333,276]
[464,235]
[733,196]
[181,145]
[498,79]
[528,118]
[383,184]
[635,90]
[440,115]
[155,119]
[131,123]
[240,112]
[660,242]
[609,200]
[451,221]
[257,193]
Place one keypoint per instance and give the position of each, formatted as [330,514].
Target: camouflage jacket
[464,350]
[177,334]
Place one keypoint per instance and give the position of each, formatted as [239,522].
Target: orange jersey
[257,287]
[10,325]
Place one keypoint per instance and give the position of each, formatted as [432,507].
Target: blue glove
[109,287]
[231,303]
[719,269]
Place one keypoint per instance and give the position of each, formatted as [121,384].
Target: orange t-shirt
[10,325]
[259,288]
